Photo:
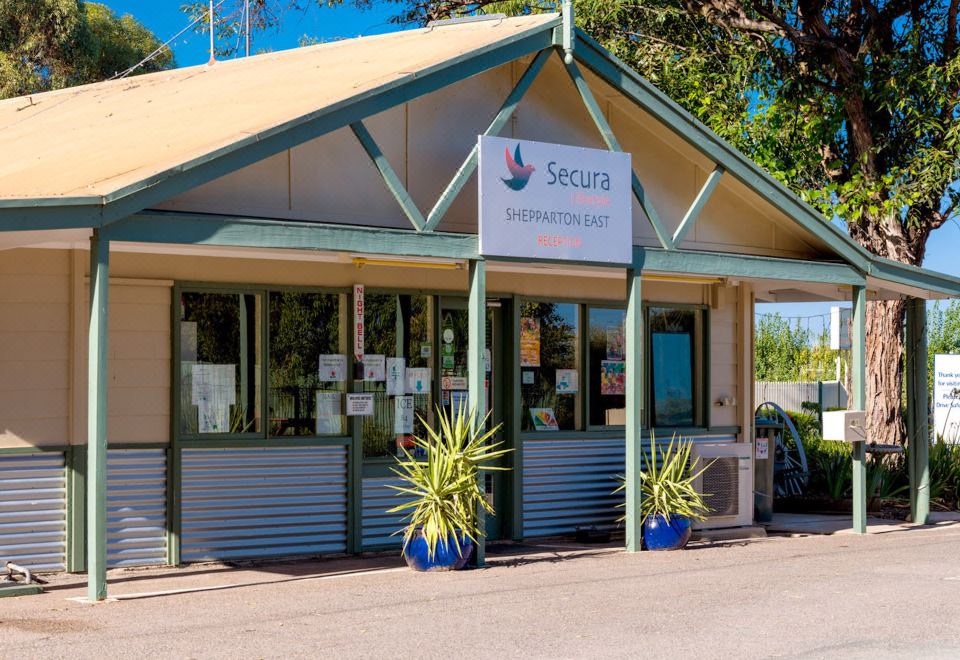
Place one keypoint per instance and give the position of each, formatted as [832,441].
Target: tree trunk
[885,371]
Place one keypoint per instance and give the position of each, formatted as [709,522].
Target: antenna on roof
[213,55]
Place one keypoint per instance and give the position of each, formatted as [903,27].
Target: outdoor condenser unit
[727,483]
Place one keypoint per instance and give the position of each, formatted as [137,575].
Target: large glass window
[398,354]
[607,365]
[549,366]
[674,363]
[220,363]
[308,364]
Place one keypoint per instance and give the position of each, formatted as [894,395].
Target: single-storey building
[201,268]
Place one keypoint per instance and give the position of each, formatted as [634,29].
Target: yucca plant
[666,482]
[444,485]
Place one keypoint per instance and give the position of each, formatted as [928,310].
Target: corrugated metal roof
[92,141]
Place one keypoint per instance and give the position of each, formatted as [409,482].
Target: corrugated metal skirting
[33,510]
[378,525]
[136,507]
[265,502]
[567,483]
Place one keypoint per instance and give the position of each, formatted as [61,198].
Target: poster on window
[403,413]
[329,420]
[359,405]
[613,377]
[567,381]
[616,349]
[418,380]
[213,390]
[396,376]
[374,368]
[529,342]
[544,419]
[333,368]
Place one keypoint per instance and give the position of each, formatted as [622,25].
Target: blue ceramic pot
[446,557]
[666,532]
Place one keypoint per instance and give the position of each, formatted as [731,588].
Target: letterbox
[845,425]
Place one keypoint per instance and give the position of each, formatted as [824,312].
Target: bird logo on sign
[520,173]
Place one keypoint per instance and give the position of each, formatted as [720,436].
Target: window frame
[701,407]
[261,437]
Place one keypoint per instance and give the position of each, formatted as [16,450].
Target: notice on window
[454,383]
[458,402]
[333,368]
[329,419]
[359,405]
[544,419]
[568,381]
[403,413]
[213,390]
[396,376]
[613,377]
[418,380]
[374,368]
[529,342]
[527,377]
[616,346]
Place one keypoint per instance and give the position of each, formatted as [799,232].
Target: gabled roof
[91,155]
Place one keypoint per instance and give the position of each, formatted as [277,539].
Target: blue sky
[165,19]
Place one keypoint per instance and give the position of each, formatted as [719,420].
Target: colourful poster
[529,342]
[616,349]
[613,377]
[544,419]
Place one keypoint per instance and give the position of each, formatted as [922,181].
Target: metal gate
[33,510]
[265,502]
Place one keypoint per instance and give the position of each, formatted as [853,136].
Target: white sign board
[333,368]
[554,202]
[840,328]
[403,412]
[946,397]
[359,405]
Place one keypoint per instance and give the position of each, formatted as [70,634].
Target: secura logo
[520,173]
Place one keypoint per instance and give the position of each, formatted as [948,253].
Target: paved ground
[892,594]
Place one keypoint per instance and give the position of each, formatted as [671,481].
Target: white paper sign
[762,449]
[374,368]
[358,328]
[396,376]
[403,413]
[946,397]
[567,381]
[454,383]
[213,390]
[359,405]
[418,380]
[333,368]
[552,201]
[328,413]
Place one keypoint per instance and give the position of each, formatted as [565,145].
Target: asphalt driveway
[893,594]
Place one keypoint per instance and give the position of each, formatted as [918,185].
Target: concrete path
[879,595]
[814,523]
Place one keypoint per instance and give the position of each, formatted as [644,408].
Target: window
[308,364]
[607,376]
[396,326]
[675,360]
[549,366]
[220,362]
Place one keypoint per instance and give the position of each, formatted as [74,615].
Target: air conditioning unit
[727,483]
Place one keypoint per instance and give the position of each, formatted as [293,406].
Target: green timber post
[476,390]
[858,401]
[76,519]
[97,418]
[634,391]
[918,410]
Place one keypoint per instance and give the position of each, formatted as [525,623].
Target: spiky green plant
[667,482]
[445,485]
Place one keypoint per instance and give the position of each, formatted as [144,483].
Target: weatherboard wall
[331,179]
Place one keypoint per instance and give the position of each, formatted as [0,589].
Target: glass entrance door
[452,385]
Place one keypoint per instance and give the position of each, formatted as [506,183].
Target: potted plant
[668,500]
[445,490]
